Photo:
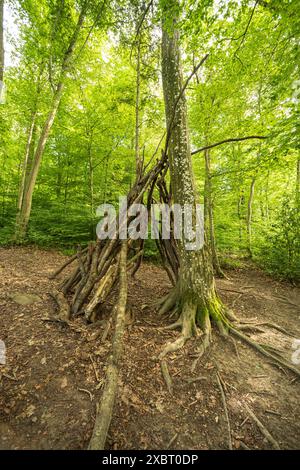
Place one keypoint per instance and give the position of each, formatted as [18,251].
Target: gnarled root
[187,320]
[264,351]
[192,314]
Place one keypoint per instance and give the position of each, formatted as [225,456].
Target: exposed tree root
[249,325]
[263,351]
[173,326]
[187,320]
[215,311]
[235,348]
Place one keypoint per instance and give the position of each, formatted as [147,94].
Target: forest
[149,224]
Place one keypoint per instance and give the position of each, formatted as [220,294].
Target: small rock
[22,298]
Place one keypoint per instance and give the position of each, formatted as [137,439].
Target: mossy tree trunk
[194,295]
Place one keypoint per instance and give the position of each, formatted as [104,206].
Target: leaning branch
[234,139]
[104,414]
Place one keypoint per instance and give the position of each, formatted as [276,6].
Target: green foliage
[280,251]
[247,86]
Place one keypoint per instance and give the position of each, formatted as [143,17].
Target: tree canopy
[247,86]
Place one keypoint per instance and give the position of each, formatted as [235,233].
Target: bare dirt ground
[52,379]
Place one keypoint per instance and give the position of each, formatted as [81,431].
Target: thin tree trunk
[138,160]
[21,228]
[252,187]
[267,195]
[29,150]
[25,161]
[91,174]
[239,214]
[209,215]
[249,216]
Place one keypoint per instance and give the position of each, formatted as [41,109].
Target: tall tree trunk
[29,150]
[1,50]
[194,295]
[249,216]
[239,214]
[90,171]
[138,160]
[59,177]
[26,162]
[209,215]
[252,184]
[23,220]
[267,196]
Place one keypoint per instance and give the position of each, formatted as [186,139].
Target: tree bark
[25,211]
[29,150]
[106,405]
[26,161]
[91,172]
[195,293]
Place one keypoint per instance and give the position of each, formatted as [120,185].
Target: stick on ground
[262,428]
[106,405]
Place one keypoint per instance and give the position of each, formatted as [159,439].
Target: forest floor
[52,379]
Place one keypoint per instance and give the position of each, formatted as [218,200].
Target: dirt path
[53,375]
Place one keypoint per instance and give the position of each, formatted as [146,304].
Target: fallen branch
[265,352]
[225,409]
[69,261]
[172,440]
[262,428]
[104,415]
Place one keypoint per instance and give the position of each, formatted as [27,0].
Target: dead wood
[106,404]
